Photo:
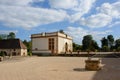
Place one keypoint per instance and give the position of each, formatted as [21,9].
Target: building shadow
[109,71]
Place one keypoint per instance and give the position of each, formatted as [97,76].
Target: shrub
[1,53]
[29,54]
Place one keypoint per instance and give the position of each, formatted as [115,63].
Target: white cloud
[15,2]
[112,10]
[18,2]
[83,8]
[75,5]
[84,5]
[78,7]
[21,14]
[106,15]
[96,21]
[38,0]
[63,4]
[78,33]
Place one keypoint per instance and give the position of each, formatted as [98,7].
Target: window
[14,49]
[36,48]
[51,43]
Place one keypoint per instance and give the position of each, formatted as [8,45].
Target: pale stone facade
[54,43]
[13,47]
[15,52]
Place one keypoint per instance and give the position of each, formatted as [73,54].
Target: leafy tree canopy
[11,35]
[88,43]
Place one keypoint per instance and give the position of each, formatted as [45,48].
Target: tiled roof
[12,44]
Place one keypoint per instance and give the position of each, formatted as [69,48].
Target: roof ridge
[22,45]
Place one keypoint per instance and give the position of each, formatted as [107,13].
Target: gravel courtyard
[57,68]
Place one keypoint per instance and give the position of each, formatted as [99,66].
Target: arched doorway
[66,47]
[5,53]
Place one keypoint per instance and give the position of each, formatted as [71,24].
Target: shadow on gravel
[109,71]
[80,69]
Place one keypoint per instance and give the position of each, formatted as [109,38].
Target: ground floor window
[51,43]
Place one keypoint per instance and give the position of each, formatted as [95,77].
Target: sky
[77,18]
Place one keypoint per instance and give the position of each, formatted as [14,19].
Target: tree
[3,36]
[117,44]
[11,35]
[118,49]
[94,45]
[89,44]
[76,47]
[104,42]
[1,53]
[110,41]
[0,37]
[105,49]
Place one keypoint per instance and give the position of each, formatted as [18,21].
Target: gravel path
[57,68]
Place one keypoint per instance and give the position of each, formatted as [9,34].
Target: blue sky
[76,17]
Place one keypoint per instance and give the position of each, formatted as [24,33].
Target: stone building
[51,43]
[13,47]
